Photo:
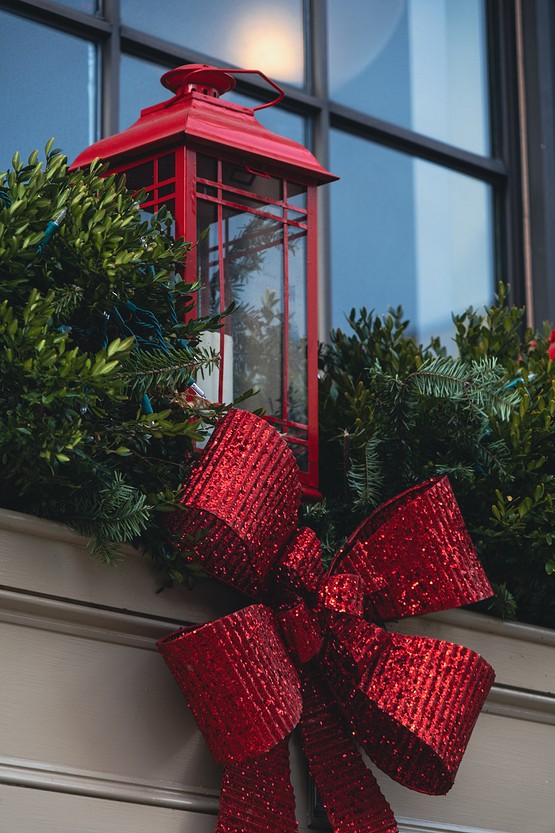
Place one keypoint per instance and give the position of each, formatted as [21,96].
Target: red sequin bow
[310,652]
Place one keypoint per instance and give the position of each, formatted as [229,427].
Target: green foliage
[394,412]
[92,321]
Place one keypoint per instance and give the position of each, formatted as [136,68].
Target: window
[51,89]
[416,104]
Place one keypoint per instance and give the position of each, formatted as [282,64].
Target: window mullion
[110,70]
[319,140]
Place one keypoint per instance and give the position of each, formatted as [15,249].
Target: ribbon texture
[311,651]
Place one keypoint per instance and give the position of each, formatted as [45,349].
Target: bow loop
[245,653]
[223,502]
[414,709]
[415,554]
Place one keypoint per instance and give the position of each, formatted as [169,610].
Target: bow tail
[348,790]
[245,695]
[257,796]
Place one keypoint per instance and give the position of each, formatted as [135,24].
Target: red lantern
[249,195]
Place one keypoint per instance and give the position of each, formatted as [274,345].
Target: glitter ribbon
[313,652]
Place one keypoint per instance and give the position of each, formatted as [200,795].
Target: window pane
[54,94]
[407,232]
[420,64]
[255,34]
[140,88]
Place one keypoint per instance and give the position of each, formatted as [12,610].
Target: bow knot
[353,648]
[301,631]
[313,653]
[342,593]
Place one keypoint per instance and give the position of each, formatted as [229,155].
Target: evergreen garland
[394,412]
[96,427]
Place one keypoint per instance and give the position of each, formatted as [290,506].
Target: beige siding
[95,736]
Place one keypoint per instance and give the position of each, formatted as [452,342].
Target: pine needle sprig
[164,370]
[495,459]
[119,513]
[66,300]
[365,479]
[476,385]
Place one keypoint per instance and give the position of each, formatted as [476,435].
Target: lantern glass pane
[147,175]
[52,94]
[297,377]
[421,65]
[207,167]
[300,452]
[296,194]
[166,167]
[253,265]
[209,190]
[207,258]
[237,198]
[421,237]
[246,33]
[140,176]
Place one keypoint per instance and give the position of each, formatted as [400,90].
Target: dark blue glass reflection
[51,89]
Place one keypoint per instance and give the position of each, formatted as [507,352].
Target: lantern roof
[196,115]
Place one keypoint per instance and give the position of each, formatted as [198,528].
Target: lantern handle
[199,69]
[280,96]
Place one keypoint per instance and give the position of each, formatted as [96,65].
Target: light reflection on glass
[297,364]
[407,232]
[253,251]
[421,64]
[254,34]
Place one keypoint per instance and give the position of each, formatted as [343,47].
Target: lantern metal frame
[195,122]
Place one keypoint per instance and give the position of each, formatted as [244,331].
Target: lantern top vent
[198,78]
